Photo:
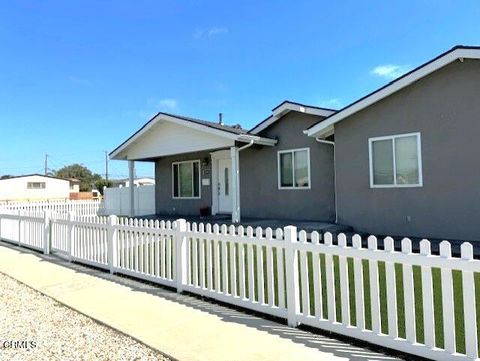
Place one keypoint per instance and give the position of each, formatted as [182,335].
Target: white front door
[224,186]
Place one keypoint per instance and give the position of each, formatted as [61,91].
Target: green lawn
[437,292]
[437,296]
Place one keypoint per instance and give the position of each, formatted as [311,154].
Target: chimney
[220,118]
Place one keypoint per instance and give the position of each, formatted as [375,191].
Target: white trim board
[242,137]
[320,129]
[287,107]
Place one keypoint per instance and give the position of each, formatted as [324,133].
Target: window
[294,169]
[226,181]
[36,185]
[186,179]
[395,161]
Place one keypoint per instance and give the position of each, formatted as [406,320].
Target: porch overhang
[167,134]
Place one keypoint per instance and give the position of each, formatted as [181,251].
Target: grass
[384,297]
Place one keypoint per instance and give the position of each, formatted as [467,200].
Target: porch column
[131,178]
[235,185]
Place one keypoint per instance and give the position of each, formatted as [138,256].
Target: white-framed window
[395,161]
[36,185]
[294,169]
[186,179]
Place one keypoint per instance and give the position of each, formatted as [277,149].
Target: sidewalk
[181,326]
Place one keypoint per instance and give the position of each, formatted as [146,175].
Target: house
[271,171]
[407,155]
[400,161]
[74,185]
[34,187]
[143,181]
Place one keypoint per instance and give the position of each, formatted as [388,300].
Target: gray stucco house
[401,161]
[407,156]
[272,171]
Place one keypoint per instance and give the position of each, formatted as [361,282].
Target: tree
[83,174]
[99,184]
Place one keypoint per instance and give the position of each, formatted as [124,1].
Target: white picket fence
[80,207]
[284,274]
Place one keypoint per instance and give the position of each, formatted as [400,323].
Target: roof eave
[423,70]
[257,140]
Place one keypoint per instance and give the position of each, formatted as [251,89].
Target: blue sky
[77,78]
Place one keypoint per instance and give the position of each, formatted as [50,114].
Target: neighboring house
[407,156]
[144,181]
[272,171]
[74,185]
[34,187]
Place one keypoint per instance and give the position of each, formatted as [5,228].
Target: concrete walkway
[181,326]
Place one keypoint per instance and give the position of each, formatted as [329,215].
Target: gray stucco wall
[259,193]
[445,108]
[164,202]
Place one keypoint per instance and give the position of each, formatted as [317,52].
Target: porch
[196,164]
[308,226]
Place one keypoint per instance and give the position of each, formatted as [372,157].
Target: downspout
[246,146]
[238,174]
[334,172]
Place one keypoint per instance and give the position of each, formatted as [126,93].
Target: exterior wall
[444,107]
[16,188]
[259,193]
[164,201]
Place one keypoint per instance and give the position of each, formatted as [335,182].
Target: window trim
[193,179]
[30,185]
[393,137]
[279,176]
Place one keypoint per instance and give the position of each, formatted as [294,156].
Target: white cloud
[202,33]
[334,103]
[168,104]
[389,71]
[77,80]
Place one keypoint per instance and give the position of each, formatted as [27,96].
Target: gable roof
[35,175]
[288,106]
[325,126]
[235,133]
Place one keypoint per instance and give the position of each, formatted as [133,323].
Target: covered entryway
[196,163]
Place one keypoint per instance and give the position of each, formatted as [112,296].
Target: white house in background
[34,187]
[74,185]
[144,181]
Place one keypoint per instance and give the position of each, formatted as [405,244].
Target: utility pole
[46,164]
[106,166]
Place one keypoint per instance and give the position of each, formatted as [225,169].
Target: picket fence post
[291,269]
[180,253]
[70,235]
[46,231]
[20,235]
[112,242]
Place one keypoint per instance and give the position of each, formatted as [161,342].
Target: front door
[224,186]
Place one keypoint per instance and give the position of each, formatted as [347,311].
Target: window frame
[279,169]
[43,185]
[193,179]
[392,138]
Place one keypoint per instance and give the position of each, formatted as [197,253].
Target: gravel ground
[35,327]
